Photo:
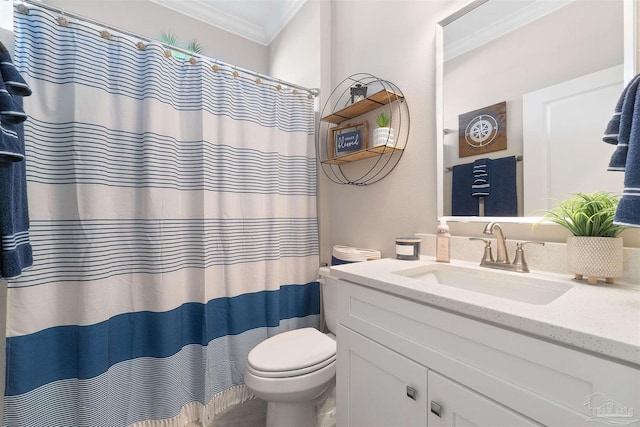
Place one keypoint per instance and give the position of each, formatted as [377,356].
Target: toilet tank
[329,289]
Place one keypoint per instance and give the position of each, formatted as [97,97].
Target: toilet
[295,371]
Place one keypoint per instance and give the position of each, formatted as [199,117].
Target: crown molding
[208,13]
[292,10]
[501,27]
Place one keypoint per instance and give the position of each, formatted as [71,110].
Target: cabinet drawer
[545,381]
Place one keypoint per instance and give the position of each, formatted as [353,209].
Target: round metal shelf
[368,164]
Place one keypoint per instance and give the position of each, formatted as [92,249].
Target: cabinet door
[377,387]
[451,404]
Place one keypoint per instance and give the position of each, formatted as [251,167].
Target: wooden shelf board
[361,154]
[361,107]
[334,162]
[384,97]
[384,149]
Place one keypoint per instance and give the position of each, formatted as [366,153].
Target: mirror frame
[631,19]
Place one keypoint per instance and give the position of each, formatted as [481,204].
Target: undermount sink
[521,287]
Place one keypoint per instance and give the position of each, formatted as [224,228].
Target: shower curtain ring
[22,8]
[62,20]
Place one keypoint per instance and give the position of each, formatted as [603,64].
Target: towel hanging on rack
[624,130]
[462,202]
[15,249]
[503,200]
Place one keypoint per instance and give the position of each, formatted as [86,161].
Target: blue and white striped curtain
[173,224]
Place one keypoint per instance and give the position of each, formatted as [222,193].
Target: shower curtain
[173,225]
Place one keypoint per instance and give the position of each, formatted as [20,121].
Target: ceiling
[257,20]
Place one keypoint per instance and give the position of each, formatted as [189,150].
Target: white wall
[294,55]
[149,19]
[393,40]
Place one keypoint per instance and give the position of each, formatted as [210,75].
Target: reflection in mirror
[558,67]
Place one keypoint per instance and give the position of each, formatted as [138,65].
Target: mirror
[559,67]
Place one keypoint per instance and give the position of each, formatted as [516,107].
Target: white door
[563,149]
[377,387]
[451,404]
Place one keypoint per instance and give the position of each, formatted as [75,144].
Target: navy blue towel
[462,202]
[11,115]
[503,200]
[624,131]
[618,130]
[15,249]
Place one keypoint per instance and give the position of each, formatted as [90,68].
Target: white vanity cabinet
[405,363]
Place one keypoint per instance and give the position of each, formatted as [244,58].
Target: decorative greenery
[383,119]
[194,46]
[587,215]
[170,39]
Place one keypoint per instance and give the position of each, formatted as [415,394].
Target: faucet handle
[486,241]
[488,255]
[521,244]
[519,260]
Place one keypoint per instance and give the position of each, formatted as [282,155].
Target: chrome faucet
[502,258]
[494,228]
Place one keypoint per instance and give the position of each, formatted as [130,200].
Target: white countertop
[604,319]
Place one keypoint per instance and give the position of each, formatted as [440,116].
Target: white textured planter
[595,257]
[383,136]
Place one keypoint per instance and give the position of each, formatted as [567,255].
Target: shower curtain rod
[313,91]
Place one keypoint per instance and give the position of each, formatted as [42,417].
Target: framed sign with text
[349,138]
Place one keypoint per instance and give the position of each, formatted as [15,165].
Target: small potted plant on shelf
[594,250]
[383,134]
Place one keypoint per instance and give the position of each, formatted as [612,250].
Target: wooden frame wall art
[483,131]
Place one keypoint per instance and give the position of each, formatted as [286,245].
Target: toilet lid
[292,350]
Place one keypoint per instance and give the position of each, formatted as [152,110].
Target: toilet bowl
[295,371]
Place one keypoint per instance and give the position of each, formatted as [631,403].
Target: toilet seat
[292,372]
[292,353]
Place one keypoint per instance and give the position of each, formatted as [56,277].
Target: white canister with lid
[408,248]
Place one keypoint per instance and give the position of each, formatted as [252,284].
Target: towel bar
[450,168]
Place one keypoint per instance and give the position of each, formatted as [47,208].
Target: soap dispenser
[443,242]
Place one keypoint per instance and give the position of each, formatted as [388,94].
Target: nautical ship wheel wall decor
[483,131]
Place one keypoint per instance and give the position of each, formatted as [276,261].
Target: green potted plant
[595,248]
[383,134]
